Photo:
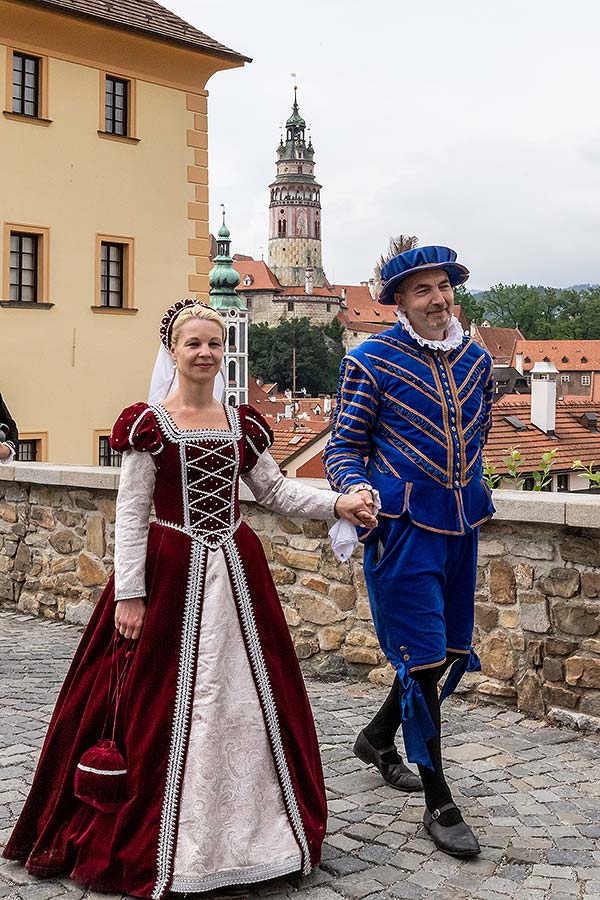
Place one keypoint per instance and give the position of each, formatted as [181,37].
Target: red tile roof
[566,355]
[288,443]
[363,310]
[256,269]
[572,438]
[259,398]
[499,342]
[144,16]
[305,417]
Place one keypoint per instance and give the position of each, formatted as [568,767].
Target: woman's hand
[5,451]
[129,617]
[357,508]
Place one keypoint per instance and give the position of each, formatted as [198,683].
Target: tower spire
[295,208]
[224,298]
[223,278]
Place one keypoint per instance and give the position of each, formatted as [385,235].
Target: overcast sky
[471,123]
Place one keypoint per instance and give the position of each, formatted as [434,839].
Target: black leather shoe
[390,765]
[457,840]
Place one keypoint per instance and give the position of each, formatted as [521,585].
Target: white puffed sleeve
[288,496]
[134,503]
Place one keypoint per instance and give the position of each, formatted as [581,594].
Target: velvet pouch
[101,776]
[101,773]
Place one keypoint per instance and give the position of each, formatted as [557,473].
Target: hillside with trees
[541,313]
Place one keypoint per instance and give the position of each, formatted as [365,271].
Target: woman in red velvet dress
[224,776]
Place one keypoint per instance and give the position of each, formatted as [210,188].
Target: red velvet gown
[198,526]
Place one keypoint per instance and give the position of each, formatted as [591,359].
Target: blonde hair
[198,311]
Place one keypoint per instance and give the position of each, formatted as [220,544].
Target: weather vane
[222,205]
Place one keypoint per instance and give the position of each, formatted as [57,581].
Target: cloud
[473,124]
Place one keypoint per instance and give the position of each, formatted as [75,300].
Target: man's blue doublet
[411,422]
[420,418]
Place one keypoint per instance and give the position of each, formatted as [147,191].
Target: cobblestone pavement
[532,793]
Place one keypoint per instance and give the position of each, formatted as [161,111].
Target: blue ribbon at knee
[417,725]
[467,662]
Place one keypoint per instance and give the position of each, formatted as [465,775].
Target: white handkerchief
[344,539]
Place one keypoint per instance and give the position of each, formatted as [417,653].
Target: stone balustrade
[537,617]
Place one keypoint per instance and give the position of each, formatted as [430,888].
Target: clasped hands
[358,508]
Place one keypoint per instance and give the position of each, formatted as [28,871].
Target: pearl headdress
[166,323]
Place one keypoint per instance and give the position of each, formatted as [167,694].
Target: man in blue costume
[413,413]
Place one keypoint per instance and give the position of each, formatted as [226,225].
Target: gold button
[406,657]
[403,648]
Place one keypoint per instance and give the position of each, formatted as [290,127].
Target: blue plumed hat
[400,267]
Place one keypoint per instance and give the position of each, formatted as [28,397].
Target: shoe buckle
[435,814]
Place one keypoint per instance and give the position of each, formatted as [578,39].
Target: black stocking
[451,658]
[435,786]
[381,730]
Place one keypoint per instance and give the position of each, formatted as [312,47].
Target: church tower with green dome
[295,210]
[224,298]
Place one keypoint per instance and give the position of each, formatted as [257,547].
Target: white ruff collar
[453,339]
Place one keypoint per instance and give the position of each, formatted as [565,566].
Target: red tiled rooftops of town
[572,438]
[566,355]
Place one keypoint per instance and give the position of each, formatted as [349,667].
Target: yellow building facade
[103,207]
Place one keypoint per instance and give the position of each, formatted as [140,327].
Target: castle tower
[295,209]
[223,280]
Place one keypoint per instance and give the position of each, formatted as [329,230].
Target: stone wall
[537,618]
[271,309]
[537,604]
[56,545]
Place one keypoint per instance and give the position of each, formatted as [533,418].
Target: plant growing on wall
[491,479]
[513,464]
[587,472]
[542,476]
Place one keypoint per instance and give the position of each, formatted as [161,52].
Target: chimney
[288,411]
[372,288]
[344,292]
[519,362]
[326,405]
[543,396]
[589,420]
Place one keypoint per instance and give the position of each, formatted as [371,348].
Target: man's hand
[357,508]
[5,451]
[129,617]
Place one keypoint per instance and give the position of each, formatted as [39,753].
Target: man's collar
[454,334]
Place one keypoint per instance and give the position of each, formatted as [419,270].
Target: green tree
[531,309]
[469,304]
[319,351]
[579,317]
